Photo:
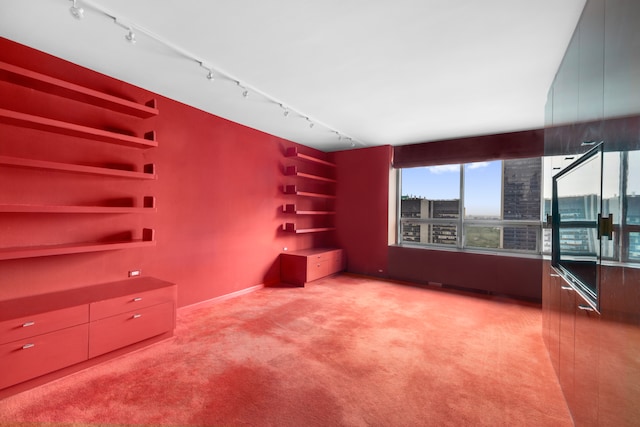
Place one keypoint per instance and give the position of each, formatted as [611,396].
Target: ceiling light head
[245,93]
[210,76]
[76,12]
[286,110]
[130,36]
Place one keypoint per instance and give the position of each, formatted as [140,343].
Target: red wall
[218,193]
[363,214]
[362,208]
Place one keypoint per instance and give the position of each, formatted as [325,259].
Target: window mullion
[461,210]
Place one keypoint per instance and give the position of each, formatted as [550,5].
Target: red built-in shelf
[290,208]
[51,85]
[70,129]
[291,228]
[293,152]
[76,248]
[293,171]
[149,169]
[291,189]
[149,206]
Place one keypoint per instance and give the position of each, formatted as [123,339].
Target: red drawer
[129,328]
[42,323]
[26,359]
[316,270]
[113,306]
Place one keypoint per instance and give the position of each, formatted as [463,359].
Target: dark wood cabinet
[551,313]
[571,328]
[621,58]
[566,342]
[585,383]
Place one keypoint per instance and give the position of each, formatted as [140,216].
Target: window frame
[460,222]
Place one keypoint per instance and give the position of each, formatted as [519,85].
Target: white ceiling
[380,72]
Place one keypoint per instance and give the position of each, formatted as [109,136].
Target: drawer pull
[27,324]
[554,275]
[28,346]
[585,307]
[137,299]
[566,288]
[136,316]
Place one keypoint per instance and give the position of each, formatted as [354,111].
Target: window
[493,205]
[632,205]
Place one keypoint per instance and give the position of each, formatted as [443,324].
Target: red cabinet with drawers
[45,333]
[300,267]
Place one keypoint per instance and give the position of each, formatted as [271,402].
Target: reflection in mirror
[611,190]
[576,205]
[633,205]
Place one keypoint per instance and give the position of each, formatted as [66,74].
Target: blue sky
[483,185]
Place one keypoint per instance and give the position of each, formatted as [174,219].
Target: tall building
[521,191]
[633,218]
[416,207]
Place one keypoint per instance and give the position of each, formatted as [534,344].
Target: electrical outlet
[134,273]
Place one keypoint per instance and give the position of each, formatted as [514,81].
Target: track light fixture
[213,73]
[245,91]
[76,12]
[130,36]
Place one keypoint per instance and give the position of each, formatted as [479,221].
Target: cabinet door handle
[554,275]
[28,346]
[136,316]
[137,299]
[585,307]
[566,288]
[27,324]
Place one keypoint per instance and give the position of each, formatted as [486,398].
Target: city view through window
[496,207]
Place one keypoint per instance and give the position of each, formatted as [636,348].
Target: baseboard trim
[217,300]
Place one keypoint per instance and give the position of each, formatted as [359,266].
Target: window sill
[471,251]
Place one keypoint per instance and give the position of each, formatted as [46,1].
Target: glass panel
[634,246]
[476,236]
[633,204]
[611,166]
[441,234]
[521,189]
[482,190]
[633,188]
[576,204]
[518,238]
[430,192]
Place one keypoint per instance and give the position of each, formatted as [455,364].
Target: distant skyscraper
[429,233]
[633,218]
[521,188]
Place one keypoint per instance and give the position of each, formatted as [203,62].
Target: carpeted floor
[344,351]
